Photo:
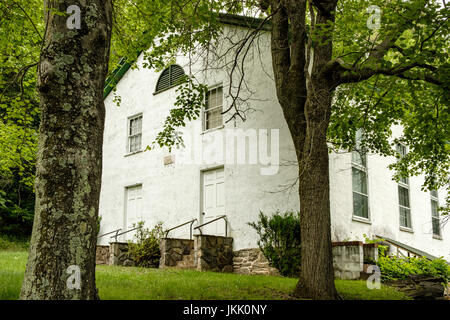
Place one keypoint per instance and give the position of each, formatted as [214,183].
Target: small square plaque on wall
[168,160]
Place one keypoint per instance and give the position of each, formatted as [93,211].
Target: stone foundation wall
[213,253]
[252,261]
[173,250]
[348,259]
[102,255]
[119,255]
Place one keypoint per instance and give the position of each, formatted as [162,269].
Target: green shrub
[383,250]
[11,243]
[16,209]
[395,268]
[145,251]
[279,240]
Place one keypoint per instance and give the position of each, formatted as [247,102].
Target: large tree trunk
[72,72]
[306,102]
[317,275]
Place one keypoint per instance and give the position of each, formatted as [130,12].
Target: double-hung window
[403,195]
[435,219]
[212,116]
[359,179]
[135,134]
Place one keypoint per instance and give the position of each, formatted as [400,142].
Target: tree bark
[72,71]
[317,273]
[306,103]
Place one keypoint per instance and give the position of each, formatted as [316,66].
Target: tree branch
[342,73]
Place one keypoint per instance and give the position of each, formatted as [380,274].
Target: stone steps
[187,262]
[205,253]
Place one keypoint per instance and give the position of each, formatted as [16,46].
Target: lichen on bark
[68,170]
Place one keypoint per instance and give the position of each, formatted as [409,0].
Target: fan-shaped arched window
[170,77]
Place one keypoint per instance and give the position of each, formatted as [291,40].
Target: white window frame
[362,168]
[205,112]
[406,186]
[435,198]
[129,136]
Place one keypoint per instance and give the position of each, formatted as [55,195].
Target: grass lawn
[123,283]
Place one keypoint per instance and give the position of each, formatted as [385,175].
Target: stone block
[348,259]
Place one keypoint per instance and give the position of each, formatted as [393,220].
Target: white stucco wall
[172,193]
[383,206]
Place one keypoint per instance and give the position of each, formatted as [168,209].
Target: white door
[133,210]
[213,198]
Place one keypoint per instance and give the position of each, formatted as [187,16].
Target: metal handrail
[410,250]
[115,231]
[224,217]
[181,225]
[119,234]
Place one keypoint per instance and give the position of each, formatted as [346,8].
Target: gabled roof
[230,19]
[118,73]
[243,21]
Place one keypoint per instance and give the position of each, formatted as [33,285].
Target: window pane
[401,149]
[405,217]
[213,112]
[213,118]
[358,156]
[138,142]
[359,137]
[139,125]
[360,205]
[403,196]
[135,143]
[132,144]
[135,126]
[212,97]
[358,159]
[436,226]
[404,180]
[359,181]
[131,127]
[219,100]
[402,218]
[434,208]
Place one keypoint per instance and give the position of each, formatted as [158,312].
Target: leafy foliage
[145,251]
[395,268]
[16,208]
[21,26]
[189,103]
[279,240]
[383,250]
[412,36]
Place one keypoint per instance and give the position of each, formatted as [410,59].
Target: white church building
[238,168]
